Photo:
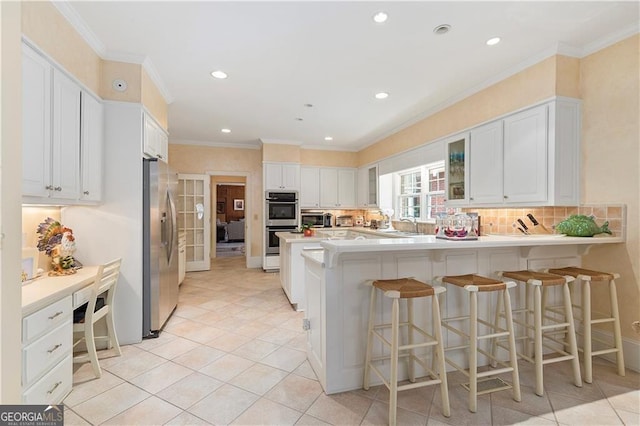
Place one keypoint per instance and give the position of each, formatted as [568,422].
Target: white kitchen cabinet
[62,135]
[36,123]
[525,156]
[91,148]
[337,187]
[456,167]
[529,158]
[51,130]
[485,164]
[309,187]
[368,186]
[155,139]
[47,372]
[281,176]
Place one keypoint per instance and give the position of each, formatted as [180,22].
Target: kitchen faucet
[412,220]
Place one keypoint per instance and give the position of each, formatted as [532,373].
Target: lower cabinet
[47,352]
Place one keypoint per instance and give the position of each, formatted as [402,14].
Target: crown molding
[612,38]
[70,14]
[267,141]
[328,148]
[249,145]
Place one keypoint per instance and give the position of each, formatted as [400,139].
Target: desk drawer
[82,296]
[46,319]
[41,355]
[53,387]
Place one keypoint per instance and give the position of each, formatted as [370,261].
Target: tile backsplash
[500,221]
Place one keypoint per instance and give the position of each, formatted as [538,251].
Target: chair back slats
[106,282]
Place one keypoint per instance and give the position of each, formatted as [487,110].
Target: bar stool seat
[396,289]
[475,284]
[545,332]
[586,316]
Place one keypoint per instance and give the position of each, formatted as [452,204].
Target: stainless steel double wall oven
[281,216]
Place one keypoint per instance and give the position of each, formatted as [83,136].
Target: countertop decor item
[578,225]
[58,242]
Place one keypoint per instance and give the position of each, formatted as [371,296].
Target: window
[415,200]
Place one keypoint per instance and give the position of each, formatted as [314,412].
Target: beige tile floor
[233,353]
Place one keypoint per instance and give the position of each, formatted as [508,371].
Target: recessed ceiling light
[493,41]
[382,95]
[442,29]
[225,130]
[219,74]
[328,138]
[380,17]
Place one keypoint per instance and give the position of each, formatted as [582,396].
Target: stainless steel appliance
[315,220]
[160,246]
[271,240]
[327,220]
[344,221]
[281,208]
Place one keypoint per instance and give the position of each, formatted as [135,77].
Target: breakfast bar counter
[336,301]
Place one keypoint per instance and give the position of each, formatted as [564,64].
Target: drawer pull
[54,348]
[56,314]
[50,391]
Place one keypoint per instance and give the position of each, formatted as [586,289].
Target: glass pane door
[194,211]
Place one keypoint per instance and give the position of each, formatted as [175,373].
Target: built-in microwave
[281,208]
[315,220]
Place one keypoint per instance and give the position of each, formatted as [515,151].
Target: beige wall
[281,153]
[50,31]
[536,83]
[153,100]
[131,73]
[318,157]
[202,160]
[610,88]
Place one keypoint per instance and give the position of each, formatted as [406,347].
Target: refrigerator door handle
[171,224]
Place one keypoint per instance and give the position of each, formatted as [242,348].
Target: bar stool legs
[406,288]
[538,281]
[584,278]
[474,284]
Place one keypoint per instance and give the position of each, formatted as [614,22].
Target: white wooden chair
[104,286]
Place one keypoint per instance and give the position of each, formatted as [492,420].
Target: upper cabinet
[57,133]
[155,140]
[337,188]
[309,187]
[91,148]
[368,186]
[281,176]
[456,167]
[529,158]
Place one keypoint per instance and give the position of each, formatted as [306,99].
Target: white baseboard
[630,348]
[254,262]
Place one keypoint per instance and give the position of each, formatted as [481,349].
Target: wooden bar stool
[584,278]
[396,289]
[545,332]
[475,284]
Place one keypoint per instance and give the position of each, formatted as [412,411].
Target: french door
[194,202]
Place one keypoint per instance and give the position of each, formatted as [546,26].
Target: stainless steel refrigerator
[160,246]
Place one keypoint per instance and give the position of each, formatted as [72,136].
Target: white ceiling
[282,55]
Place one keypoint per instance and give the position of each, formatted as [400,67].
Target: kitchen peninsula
[337,298]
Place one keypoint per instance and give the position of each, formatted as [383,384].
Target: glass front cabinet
[457,170]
